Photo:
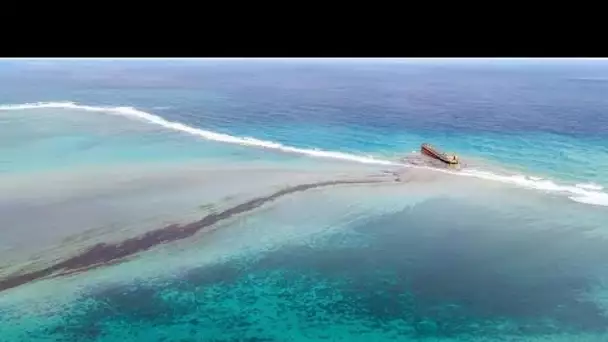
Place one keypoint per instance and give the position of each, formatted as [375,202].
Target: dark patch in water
[467,279]
[449,275]
[104,254]
[440,274]
[90,332]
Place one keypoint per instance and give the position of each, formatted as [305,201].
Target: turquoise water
[405,273]
[543,154]
[510,248]
[56,139]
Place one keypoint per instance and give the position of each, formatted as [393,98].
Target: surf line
[103,254]
[133,113]
[577,194]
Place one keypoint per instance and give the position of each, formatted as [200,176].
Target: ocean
[286,200]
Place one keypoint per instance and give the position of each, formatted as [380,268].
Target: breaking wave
[576,193]
[587,193]
[209,135]
[590,186]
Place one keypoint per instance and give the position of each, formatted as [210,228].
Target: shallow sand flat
[272,182]
[241,235]
[393,189]
[355,255]
[47,217]
[50,216]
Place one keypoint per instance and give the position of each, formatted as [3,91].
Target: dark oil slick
[406,284]
[489,265]
[104,254]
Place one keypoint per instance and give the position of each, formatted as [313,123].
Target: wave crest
[590,186]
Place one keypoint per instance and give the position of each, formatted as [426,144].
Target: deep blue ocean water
[516,253]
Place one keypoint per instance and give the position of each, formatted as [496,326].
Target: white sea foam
[590,186]
[583,193]
[597,198]
[576,193]
[209,135]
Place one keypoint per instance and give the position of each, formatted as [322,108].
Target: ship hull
[430,151]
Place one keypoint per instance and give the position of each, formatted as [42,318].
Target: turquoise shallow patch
[537,154]
[55,139]
[484,265]
[407,273]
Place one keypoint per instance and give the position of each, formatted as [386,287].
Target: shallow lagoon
[415,260]
[431,257]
